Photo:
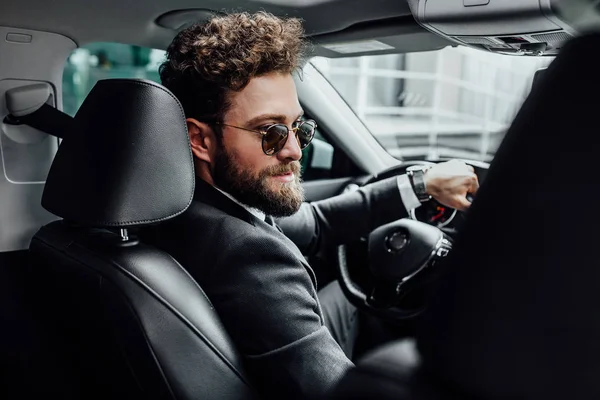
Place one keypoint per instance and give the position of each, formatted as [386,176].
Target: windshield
[451,103]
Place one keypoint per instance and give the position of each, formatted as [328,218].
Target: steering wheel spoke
[404,257]
[384,294]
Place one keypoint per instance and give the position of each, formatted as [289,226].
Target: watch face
[416,168]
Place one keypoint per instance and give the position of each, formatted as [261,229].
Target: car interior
[513,315]
[500,301]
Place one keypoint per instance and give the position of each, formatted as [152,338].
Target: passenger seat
[133,323]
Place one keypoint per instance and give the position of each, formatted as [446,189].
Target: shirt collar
[254,211]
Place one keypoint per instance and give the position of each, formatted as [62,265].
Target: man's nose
[291,150]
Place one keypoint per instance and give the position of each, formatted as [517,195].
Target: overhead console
[519,27]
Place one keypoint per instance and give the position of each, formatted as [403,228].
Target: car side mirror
[317,159]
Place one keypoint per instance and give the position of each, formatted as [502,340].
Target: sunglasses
[274,137]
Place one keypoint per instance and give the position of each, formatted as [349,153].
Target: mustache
[281,169]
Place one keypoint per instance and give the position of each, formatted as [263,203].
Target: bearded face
[276,190]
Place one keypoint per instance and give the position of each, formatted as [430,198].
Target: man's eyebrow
[279,118]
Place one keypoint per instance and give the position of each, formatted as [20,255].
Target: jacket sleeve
[267,303]
[345,217]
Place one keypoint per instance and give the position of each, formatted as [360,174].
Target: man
[233,76]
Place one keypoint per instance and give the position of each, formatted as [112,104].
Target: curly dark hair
[206,61]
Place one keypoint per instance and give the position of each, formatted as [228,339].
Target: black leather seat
[517,315]
[129,319]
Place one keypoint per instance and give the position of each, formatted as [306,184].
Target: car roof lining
[135,21]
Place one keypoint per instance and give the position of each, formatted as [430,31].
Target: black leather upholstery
[140,324]
[25,352]
[391,373]
[129,320]
[127,161]
[517,315]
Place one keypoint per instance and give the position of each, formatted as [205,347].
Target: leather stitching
[148,343]
[157,297]
[149,221]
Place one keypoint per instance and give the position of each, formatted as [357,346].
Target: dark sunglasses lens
[275,139]
[306,133]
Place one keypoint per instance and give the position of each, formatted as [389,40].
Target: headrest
[517,315]
[127,160]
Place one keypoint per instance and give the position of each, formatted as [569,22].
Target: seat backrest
[517,315]
[130,320]
[25,353]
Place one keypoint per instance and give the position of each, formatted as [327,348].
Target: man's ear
[202,139]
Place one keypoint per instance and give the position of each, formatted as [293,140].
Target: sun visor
[394,35]
[518,27]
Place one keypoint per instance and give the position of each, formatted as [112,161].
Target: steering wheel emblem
[396,241]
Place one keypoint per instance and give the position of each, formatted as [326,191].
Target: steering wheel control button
[444,249]
[396,241]
[442,252]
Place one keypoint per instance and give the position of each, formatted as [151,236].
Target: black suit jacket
[261,285]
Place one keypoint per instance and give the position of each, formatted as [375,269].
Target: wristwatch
[416,176]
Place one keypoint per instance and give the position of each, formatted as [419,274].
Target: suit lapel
[271,221]
[206,193]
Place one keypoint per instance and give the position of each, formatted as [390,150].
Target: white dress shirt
[409,198]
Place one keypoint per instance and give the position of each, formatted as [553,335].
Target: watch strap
[417,181]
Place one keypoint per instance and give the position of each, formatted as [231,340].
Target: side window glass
[95,61]
[317,159]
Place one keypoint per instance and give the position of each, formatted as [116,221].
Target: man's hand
[450,182]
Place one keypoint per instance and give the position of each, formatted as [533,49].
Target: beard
[278,199]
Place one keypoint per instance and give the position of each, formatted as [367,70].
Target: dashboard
[434,213]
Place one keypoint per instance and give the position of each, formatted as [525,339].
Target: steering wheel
[403,259]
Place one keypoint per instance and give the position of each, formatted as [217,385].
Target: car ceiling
[135,21]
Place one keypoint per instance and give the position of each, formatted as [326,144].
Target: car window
[454,102]
[317,159]
[93,62]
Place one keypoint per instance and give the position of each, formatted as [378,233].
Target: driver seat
[130,321]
